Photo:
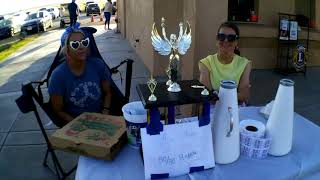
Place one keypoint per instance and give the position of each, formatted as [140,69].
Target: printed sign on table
[177,150]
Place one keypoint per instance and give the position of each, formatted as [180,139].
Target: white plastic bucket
[136,118]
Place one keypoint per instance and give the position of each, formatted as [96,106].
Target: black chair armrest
[115,70]
[39,84]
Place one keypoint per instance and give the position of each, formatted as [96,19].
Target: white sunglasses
[75,45]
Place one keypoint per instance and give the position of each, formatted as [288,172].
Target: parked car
[87,3]
[39,21]
[54,11]
[64,14]
[10,26]
[19,18]
[93,9]
[5,28]
[42,9]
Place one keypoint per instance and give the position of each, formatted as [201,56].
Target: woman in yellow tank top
[226,64]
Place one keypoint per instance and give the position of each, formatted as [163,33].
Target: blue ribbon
[205,116]
[69,30]
[155,126]
[196,169]
[159,176]
[171,114]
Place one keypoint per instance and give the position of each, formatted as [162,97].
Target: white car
[39,21]
[54,11]
[10,25]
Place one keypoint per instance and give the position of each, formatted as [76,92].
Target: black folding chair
[30,95]
[118,99]
[26,104]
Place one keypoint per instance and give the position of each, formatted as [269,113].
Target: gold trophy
[152,84]
[173,47]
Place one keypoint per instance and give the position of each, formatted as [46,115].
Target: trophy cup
[152,84]
[173,47]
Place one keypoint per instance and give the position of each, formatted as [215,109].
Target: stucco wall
[138,17]
[258,40]
[188,61]
[317,15]
[268,10]
[207,23]
[121,17]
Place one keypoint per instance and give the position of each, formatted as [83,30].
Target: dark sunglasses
[75,45]
[229,37]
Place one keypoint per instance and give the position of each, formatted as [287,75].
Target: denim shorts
[107,15]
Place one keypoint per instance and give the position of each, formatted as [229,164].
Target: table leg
[155,126]
[148,116]
[171,114]
[205,116]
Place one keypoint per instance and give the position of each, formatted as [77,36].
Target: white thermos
[280,123]
[225,125]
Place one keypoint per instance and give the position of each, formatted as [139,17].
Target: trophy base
[169,82]
[174,87]
[205,92]
[152,97]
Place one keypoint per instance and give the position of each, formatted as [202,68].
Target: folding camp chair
[118,98]
[26,102]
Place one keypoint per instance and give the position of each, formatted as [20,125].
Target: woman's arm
[205,76]
[57,106]
[244,84]
[107,96]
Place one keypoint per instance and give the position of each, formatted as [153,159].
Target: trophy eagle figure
[173,47]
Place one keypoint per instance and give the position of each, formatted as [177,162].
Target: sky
[9,6]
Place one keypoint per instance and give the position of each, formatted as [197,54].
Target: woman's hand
[57,106]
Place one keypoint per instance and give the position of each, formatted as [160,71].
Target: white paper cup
[136,118]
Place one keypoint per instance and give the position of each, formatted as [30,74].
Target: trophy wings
[184,41]
[159,44]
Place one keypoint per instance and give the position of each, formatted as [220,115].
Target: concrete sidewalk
[22,146]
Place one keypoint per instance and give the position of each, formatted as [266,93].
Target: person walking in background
[107,14]
[73,12]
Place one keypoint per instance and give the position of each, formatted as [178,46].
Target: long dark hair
[235,28]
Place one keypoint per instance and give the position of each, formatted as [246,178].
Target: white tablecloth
[303,162]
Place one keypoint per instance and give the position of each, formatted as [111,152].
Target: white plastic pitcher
[225,126]
[280,123]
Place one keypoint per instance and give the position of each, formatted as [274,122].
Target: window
[243,10]
[305,10]
[41,14]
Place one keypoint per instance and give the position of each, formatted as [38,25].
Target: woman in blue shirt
[80,84]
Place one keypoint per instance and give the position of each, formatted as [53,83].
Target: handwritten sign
[177,149]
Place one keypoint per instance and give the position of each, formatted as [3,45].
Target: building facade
[258,22]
